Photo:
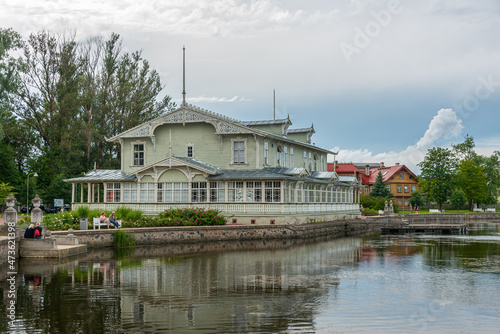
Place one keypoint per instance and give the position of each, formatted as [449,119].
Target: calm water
[371,284]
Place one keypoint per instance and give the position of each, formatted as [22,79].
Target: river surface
[367,284]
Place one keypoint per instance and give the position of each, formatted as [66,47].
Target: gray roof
[267,122]
[104,175]
[348,178]
[324,175]
[295,171]
[245,174]
[199,164]
[301,130]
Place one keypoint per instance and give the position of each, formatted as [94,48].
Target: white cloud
[443,127]
[188,17]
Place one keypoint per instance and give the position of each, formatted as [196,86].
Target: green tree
[437,171]
[465,150]
[68,98]
[472,181]
[417,199]
[5,190]
[491,167]
[10,43]
[379,188]
[457,199]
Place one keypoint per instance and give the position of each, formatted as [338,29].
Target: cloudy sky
[380,80]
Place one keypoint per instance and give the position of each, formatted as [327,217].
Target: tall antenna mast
[274,104]
[183,75]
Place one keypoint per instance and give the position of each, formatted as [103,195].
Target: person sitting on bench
[113,220]
[103,219]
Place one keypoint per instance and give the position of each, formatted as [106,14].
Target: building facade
[400,180]
[257,172]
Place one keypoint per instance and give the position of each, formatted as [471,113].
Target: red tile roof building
[400,180]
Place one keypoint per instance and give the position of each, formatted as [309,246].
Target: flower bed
[179,217]
[173,217]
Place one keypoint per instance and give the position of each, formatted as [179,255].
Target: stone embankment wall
[167,235]
[471,217]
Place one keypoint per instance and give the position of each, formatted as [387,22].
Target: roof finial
[274,104]
[183,75]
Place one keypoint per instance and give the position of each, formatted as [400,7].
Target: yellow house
[400,180]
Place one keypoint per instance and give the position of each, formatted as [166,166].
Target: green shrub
[61,221]
[123,239]
[83,212]
[370,212]
[179,217]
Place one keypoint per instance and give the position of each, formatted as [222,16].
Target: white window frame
[129,192]
[217,192]
[132,148]
[292,163]
[244,149]
[113,191]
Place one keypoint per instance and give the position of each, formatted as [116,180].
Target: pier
[425,225]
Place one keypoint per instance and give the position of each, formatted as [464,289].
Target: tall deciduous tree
[491,167]
[472,181]
[72,96]
[457,199]
[436,176]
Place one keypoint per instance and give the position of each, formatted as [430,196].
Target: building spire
[183,75]
[274,104]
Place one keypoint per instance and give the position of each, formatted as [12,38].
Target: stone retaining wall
[167,235]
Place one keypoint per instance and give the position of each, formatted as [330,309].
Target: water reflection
[360,284]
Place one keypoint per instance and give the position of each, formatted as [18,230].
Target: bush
[179,217]
[61,221]
[83,212]
[370,212]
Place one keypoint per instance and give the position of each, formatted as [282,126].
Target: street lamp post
[28,192]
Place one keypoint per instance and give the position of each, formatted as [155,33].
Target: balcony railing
[267,209]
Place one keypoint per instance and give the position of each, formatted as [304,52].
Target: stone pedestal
[10,227]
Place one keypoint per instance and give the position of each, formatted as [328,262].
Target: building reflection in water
[224,287]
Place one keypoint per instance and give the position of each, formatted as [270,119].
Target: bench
[478,210]
[97,222]
[491,210]
[380,212]
[434,211]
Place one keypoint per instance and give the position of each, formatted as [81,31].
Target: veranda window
[272,191]
[113,192]
[254,191]
[217,193]
[173,192]
[198,192]
[147,192]
[130,192]
[235,192]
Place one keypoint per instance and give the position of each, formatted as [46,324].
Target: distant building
[348,173]
[401,181]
